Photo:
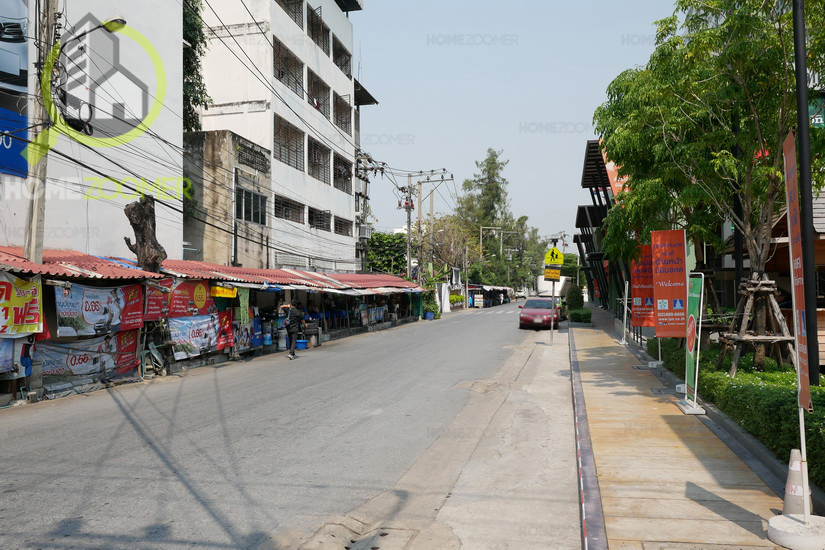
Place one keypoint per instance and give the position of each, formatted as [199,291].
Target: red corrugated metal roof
[70,263]
[371,280]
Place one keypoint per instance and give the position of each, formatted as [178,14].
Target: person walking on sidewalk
[294,323]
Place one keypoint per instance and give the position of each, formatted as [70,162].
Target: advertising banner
[92,311]
[692,336]
[190,298]
[6,354]
[193,336]
[21,305]
[105,355]
[641,281]
[248,336]
[669,282]
[157,301]
[797,276]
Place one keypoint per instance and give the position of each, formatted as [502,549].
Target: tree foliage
[387,253]
[194,87]
[702,125]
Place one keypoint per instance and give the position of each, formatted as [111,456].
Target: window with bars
[343,227]
[317,29]
[341,57]
[319,219]
[250,206]
[287,209]
[318,93]
[288,68]
[295,9]
[342,113]
[289,144]
[318,160]
[342,174]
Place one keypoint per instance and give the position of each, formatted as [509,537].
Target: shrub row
[762,403]
[580,315]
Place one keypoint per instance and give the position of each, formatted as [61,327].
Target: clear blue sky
[526,80]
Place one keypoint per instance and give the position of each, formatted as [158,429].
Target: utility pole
[408,204]
[36,183]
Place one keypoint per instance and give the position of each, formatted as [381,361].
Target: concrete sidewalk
[665,480]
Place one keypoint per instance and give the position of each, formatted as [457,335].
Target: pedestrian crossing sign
[553,257]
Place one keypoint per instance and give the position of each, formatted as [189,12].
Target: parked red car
[539,313]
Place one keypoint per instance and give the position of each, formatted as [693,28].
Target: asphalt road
[221,456]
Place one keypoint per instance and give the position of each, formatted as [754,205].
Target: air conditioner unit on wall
[364,231]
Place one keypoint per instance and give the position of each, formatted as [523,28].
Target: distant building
[280,76]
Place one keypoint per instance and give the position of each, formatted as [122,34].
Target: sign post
[552,272]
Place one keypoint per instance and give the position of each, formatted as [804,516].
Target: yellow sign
[552,274]
[21,305]
[222,292]
[554,256]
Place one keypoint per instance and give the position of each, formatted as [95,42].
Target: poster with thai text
[21,305]
[157,301]
[641,282]
[94,311]
[200,335]
[190,298]
[669,282]
[106,355]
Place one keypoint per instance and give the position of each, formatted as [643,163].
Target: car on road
[520,295]
[539,313]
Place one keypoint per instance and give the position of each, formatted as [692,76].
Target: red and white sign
[105,355]
[795,234]
[641,283]
[670,277]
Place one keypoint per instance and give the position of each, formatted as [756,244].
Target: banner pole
[699,341]
[624,315]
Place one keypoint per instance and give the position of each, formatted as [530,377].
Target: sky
[454,78]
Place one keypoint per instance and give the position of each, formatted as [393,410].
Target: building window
[317,29]
[342,113]
[287,209]
[342,174]
[318,160]
[343,227]
[289,144]
[250,206]
[319,219]
[341,57]
[318,93]
[357,203]
[295,9]
[288,68]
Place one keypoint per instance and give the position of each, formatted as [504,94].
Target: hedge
[763,403]
[580,315]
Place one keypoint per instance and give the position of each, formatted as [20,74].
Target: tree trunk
[141,214]
[759,325]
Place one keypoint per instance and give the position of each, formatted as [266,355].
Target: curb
[594,534]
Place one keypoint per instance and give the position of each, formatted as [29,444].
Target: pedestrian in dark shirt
[294,323]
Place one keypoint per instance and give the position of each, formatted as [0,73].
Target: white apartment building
[127,85]
[279,73]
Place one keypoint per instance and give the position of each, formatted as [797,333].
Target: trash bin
[313,330]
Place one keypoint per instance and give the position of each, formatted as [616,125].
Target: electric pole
[408,205]
[36,181]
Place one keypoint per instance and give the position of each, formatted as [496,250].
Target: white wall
[78,216]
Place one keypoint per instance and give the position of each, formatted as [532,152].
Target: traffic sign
[552,273]
[554,256]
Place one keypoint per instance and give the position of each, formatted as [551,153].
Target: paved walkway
[665,480]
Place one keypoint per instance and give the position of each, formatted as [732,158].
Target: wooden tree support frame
[736,338]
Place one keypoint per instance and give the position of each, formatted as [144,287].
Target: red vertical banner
[670,277]
[641,283]
[795,234]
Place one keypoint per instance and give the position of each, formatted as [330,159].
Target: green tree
[387,253]
[194,87]
[703,123]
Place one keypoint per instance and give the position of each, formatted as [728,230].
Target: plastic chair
[156,361]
